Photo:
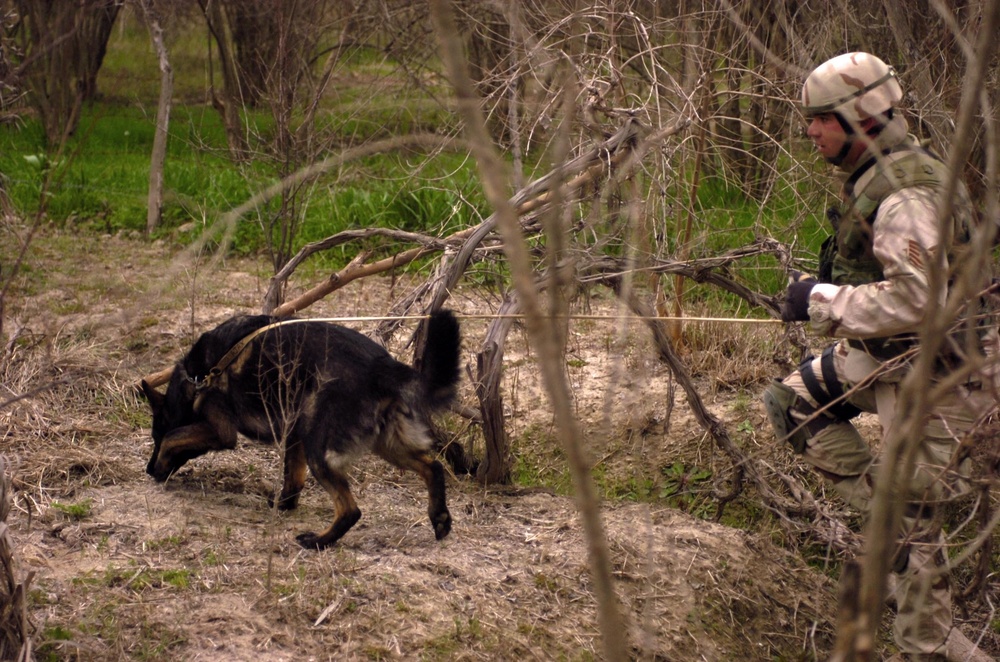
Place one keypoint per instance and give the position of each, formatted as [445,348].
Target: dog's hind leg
[405,446]
[295,474]
[433,474]
[346,511]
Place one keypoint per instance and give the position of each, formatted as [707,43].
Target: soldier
[873,290]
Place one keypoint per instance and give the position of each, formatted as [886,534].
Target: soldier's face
[827,134]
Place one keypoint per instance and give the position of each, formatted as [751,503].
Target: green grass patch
[75,511]
[539,461]
[111,624]
[99,183]
[138,579]
[168,542]
[726,218]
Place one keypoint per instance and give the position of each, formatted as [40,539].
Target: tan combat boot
[958,648]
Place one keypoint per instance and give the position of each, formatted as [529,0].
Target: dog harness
[234,352]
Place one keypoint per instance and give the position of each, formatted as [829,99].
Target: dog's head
[171,411]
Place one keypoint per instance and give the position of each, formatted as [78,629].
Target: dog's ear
[155,397]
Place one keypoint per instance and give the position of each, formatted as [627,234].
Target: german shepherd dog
[328,392]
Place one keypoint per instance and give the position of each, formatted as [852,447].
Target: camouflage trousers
[837,450]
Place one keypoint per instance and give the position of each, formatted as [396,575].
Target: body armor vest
[853,262]
[848,258]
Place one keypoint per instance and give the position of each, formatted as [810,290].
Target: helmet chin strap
[850,136]
[848,141]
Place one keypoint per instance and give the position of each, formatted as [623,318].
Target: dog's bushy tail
[439,361]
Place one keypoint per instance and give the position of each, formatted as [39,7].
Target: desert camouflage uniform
[889,264]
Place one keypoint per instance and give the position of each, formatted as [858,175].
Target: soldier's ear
[154,397]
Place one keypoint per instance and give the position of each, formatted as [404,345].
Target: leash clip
[201,383]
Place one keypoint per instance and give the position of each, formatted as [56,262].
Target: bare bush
[15,627]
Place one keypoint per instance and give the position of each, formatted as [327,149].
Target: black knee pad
[829,395]
[901,559]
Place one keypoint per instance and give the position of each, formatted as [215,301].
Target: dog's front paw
[442,524]
[284,503]
[310,540]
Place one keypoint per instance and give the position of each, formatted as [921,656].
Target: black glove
[796,306]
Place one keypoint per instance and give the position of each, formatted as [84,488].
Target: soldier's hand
[796,306]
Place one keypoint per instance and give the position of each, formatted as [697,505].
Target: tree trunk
[253,25]
[6,207]
[95,26]
[489,45]
[226,100]
[64,45]
[154,205]
[496,465]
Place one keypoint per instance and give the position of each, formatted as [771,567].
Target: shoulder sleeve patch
[915,254]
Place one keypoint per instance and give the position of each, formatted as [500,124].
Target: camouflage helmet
[854,86]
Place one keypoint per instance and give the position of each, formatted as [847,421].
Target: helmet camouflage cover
[855,86]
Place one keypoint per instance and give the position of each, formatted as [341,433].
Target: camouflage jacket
[885,251]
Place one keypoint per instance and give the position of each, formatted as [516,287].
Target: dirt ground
[200,568]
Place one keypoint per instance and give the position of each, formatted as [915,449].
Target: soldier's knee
[779,401]
[900,558]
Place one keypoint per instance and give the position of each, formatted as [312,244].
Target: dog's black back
[328,391]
